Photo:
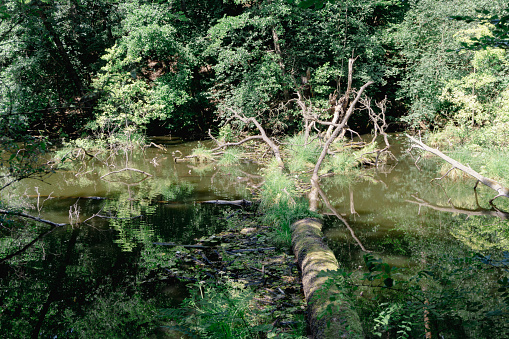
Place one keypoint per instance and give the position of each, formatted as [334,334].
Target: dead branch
[313,195]
[263,135]
[469,212]
[379,126]
[229,144]
[127,169]
[157,146]
[501,190]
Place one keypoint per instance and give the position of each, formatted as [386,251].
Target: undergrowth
[223,309]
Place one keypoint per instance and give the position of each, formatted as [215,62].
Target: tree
[425,42]
[48,50]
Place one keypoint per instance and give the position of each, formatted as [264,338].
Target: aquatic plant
[201,154]
[231,156]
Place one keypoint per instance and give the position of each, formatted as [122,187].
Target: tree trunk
[313,195]
[331,316]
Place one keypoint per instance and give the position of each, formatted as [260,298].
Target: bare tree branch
[263,135]
[501,190]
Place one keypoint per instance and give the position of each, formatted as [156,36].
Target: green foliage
[280,205]
[219,310]
[477,99]
[146,75]
[499,27]
[425,42]
[115,316]
[260,56]
[226,133]
[451,298]
[281,216]
[48,51]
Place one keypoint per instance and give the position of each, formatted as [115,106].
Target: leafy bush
[455,297]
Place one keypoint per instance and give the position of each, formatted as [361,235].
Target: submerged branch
[343,220]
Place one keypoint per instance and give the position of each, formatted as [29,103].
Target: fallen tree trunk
[313,257]
[501,190]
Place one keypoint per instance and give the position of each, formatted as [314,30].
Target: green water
[105,272]
[399,212]
[104,276]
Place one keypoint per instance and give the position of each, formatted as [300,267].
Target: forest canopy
[71,68]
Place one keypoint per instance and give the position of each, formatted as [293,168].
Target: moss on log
[314,256]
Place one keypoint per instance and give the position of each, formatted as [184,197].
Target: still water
[104,274]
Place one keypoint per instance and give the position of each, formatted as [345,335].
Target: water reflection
[103,275]
[108,274]
[399,213]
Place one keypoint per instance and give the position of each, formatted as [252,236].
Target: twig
[127,169]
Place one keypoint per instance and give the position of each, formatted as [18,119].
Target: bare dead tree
[379,125]
[313,195]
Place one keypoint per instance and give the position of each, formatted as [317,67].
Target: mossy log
[314,256]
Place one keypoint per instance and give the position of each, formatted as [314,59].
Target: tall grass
[281,205]
[490,162]
[202,154]
[230,156]
[301,156]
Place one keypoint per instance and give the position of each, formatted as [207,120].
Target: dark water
[104,274]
